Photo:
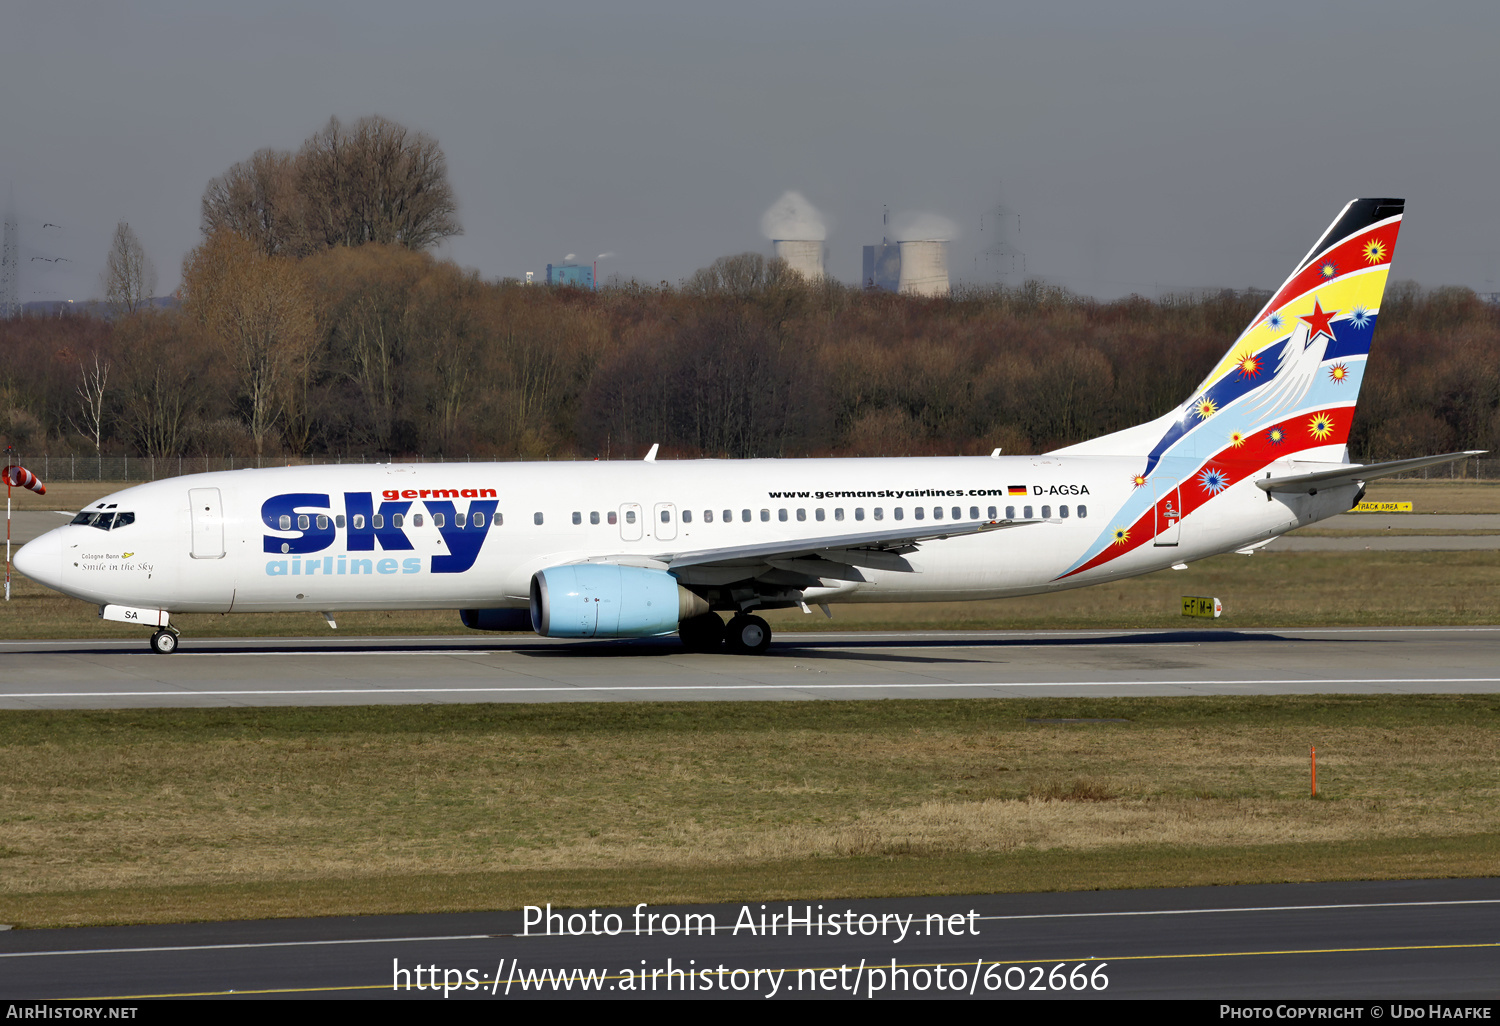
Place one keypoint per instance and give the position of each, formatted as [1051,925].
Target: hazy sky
[1143,146]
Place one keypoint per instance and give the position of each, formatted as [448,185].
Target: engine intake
[602,600]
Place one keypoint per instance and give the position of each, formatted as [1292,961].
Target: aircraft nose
[41,559]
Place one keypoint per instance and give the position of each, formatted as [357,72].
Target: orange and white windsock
[20,477]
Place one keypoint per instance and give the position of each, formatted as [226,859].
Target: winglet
[651,456]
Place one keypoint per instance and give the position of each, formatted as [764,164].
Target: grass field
[187,814]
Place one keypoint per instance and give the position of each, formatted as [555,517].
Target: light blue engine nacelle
[601,600]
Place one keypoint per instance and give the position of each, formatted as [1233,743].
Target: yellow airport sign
[1194,605]
[1382,507]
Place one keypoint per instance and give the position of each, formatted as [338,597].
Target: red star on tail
[1317,323]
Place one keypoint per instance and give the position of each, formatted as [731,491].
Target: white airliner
[614,549]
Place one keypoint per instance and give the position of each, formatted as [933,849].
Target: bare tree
[259,200]
[92,408]
[129,275]
[376,182]
[259,309]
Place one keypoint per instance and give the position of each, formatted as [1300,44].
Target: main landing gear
[744,634]
[164,641]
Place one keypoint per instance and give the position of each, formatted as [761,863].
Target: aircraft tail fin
[1287,388]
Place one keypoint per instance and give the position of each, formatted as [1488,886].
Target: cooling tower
[924,268]
[805,256]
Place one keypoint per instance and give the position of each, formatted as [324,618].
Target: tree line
[314,320]
[381,349]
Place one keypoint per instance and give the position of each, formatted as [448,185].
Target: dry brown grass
[120,802]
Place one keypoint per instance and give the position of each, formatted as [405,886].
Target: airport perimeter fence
[152,468]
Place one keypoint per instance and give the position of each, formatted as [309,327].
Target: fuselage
[472,535]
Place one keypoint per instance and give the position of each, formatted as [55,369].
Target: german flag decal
[1017,489]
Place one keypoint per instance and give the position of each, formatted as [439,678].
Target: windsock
[20,477]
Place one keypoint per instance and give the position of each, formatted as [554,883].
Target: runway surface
[1435,939]
[947,664]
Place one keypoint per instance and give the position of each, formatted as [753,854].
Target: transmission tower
[10,264]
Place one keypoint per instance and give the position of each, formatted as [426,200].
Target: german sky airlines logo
[305,523]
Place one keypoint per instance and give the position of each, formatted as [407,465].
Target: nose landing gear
[164,641]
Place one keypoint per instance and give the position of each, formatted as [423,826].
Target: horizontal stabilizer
[1355,474]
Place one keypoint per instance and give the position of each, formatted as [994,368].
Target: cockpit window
[105,521]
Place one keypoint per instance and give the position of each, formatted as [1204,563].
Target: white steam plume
[605,256]
[793,217]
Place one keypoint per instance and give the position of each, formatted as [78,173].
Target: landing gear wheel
[164,642]
[749,635]
[702,633]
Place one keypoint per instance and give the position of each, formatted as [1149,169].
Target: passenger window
[973,512]
[838,514]
[338,521]
[498,521]
[1062,511]
[666,516]
[613,517]
[900,513]
[745,515]
[377,521]
[479,520]
[802,514]
[536,518]
[1010,512]
[416,520]
[397,520]
[958,512]
[818,515]
[859,513]
[1027,511]
[993,513]
[937,512]
[781,515]
[577,517]
[303,522]
[322,522]
[919,513]
[594,517]
[708,516]
[687,516]
[438,520]
[359,522]
[1083,511]
[1046,512]
[459,520]
[629,517]
[285,523]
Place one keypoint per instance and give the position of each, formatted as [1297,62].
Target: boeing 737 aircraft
[614,549]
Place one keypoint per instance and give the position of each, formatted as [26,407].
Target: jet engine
[602,600]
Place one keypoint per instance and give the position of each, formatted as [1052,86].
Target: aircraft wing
[833,556]
[1354,474]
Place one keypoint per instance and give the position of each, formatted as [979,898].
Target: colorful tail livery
[1286,390]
